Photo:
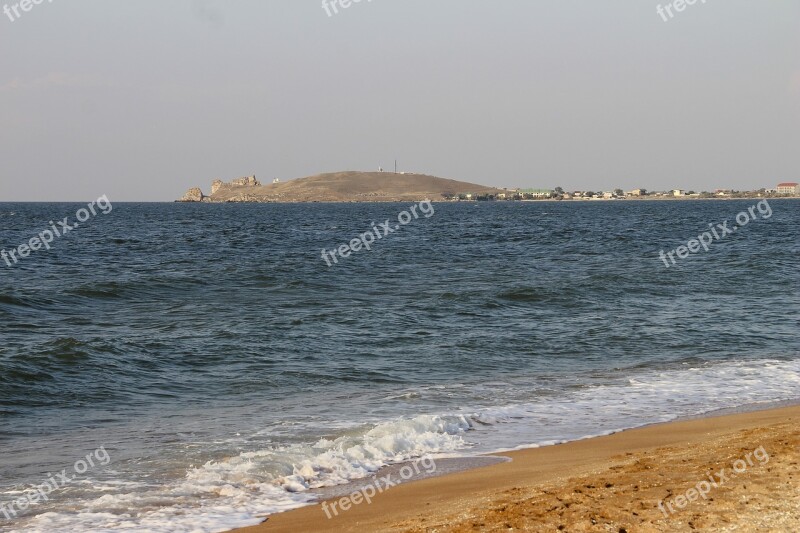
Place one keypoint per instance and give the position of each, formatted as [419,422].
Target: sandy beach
[726,473]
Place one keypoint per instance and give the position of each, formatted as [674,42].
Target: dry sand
[611,483]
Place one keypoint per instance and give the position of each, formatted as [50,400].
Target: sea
[197,367]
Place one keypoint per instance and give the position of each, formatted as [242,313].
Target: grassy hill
[350,187]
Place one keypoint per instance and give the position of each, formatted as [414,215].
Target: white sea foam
[241,490]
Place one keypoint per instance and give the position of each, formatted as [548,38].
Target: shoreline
[513,484]
[442,201]
[437,201]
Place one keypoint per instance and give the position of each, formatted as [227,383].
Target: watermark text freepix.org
[378,231]
[715,480]
[677,5]
[378,485]
[46,237]
[718,232]
[25,5]
[99,457]
[331,7]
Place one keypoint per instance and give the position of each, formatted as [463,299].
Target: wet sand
[737,472]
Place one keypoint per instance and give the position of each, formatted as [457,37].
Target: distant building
[276,180]
[638,192]
[788,188]
[678,192]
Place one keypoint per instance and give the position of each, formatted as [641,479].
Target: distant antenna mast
[395,166]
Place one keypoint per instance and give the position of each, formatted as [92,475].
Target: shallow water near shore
[230,373]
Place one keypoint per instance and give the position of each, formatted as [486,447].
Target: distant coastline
[352,186]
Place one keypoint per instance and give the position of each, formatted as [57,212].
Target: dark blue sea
[227,372]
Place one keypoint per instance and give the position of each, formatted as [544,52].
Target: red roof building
[788,188]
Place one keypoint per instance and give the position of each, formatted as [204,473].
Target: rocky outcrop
[193,195]
[249,181]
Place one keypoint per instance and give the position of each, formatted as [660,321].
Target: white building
[788,188]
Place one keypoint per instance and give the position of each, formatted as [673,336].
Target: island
[350,186]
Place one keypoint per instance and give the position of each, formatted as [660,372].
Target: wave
[235,491]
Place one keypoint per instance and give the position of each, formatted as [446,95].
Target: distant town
[782,190]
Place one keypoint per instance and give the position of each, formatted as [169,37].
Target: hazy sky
[141,99]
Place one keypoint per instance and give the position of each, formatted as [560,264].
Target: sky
[141,100]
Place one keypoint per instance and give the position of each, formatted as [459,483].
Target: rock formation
[193,195]
[196,195]
[249,181]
